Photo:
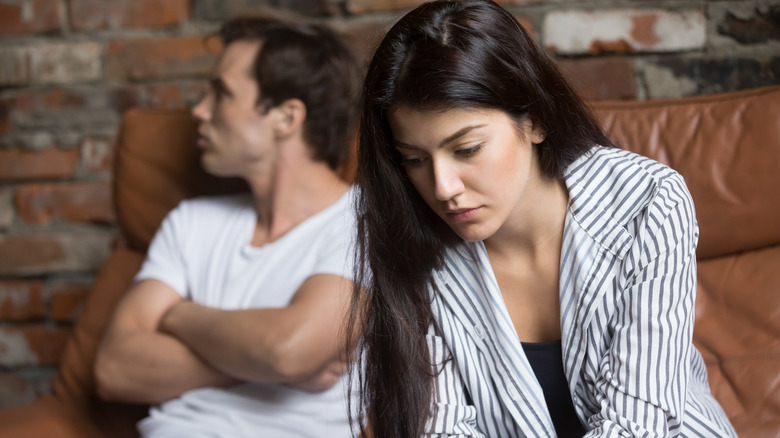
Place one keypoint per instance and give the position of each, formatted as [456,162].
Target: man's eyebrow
[218,84]
[459,133]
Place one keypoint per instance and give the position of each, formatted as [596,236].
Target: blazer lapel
[470,291]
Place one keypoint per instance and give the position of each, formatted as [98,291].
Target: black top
[546,360]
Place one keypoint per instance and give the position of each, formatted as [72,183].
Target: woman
[521,277]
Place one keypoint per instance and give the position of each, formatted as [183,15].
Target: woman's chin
[472,234]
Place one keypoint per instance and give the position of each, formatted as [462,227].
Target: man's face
[236,136]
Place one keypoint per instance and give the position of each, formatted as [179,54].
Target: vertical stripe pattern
[627,291]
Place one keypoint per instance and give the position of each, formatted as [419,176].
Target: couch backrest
[158,165]
[727,147]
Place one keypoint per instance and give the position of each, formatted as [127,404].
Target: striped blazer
[627,291]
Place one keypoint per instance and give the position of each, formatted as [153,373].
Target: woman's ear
[538,134]
[290,116]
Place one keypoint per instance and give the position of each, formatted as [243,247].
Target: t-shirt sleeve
[336,254]
[165,259]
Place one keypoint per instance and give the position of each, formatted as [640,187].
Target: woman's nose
[446,180]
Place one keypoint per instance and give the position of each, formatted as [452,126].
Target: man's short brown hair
[309,62]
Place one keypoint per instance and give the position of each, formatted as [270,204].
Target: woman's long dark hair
[443,54]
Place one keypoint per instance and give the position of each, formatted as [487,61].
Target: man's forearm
[150,368]
[240,343]
[287,345]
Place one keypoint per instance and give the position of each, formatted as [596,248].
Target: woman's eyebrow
[459,133]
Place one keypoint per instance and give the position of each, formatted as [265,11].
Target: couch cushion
[726,146]
[74,385]
[47,417]
[737,331]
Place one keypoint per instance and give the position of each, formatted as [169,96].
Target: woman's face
[473,167]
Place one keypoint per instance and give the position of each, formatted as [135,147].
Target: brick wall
[68,68]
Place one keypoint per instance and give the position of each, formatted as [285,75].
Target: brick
[50,63]
[39,204]
[685,76]
[67,301]
[161,58]
[24,386]
[623,31]
[66,62]
[219,10]
[5,117]
[363,6]
[98,154]
[6,208]
[82,251]
[362,35]
[32,345]
[14,66]
[601,78]
[21,300]
[15,391]
[90,15]
[53,162]
[760,27]
[35,141]
[79,107]
[176,95]
[19,17]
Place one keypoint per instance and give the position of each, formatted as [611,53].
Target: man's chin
[213,169]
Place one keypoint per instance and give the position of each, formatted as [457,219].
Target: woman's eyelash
[469,151]
[411,161]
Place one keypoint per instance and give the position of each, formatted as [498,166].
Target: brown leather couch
[727,146]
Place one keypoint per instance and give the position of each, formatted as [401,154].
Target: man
[232,326]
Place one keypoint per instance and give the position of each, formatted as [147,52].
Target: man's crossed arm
[158,346]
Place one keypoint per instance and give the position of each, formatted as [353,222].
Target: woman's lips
[463,214]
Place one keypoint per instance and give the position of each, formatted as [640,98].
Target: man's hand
[323,380]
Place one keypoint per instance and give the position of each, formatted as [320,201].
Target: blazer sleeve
[451,413]
[642,379]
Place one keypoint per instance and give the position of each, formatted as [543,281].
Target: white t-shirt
[202,250]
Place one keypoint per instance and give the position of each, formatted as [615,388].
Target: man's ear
[290,116]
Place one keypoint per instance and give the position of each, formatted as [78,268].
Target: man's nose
[202,110]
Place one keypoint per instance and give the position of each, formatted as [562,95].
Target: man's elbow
[293,363]
[106,378]
[111,383]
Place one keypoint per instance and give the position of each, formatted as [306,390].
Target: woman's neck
[535,228]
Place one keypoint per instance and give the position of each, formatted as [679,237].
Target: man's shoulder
[213,205]
[339,214]
[199,214]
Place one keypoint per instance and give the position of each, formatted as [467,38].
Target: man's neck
[291,195]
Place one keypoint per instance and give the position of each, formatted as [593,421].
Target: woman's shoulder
[610,173]
[620,184]
[606,163]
